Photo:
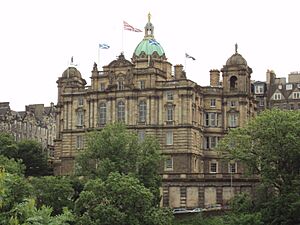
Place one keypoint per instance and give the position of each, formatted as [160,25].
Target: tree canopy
[269,146]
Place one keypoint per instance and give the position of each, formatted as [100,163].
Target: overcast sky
[38,38]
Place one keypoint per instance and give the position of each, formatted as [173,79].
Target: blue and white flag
[103,46]
[153,42]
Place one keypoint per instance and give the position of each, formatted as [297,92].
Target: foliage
[8,146]
[120,199]
[56,192]
[26,213]
[115,149]
[270,146]
[34,158]
[12,166]
[14,189]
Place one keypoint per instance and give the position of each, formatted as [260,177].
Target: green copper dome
[148,46]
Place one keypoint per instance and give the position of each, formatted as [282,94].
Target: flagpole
[185,63]
[99,57]
[122,38]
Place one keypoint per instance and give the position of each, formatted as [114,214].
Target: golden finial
[149,17]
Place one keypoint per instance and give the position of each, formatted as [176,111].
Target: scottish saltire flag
[153,42]
[104,46]
[189,57]
[130,28]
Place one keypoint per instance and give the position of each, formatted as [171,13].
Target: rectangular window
[141,135]
[102,114]
[296,95]
[169,96]
[233,120]
[80,118]
[259,89]
[232,167]
[142,84]
[277,96]
[211,119]
[79,142]
[170,116]
[213,167]
[261,102]
[211,142]
[169,164]
[80,101]
[102,86]
[288,86]
[120,85]
[213,102]
[169,138]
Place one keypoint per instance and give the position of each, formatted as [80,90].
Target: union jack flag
[130,28]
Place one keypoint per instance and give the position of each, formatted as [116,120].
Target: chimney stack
[214,78]
[179,73]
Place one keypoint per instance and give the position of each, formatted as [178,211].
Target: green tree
[120,199]
[269,146]
[12,166]
[55,192]
[27,213]
[34,158]
[115,149]
[14,189]
[8,146]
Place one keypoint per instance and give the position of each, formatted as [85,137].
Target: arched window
[142,111]
[121,111]
[102,114]
[233,82]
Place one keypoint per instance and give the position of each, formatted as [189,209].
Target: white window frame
[259,89]
[80,117]
[168,164]
[170,112]
[213,102]
[233,120]
[296,95]
[289,87]
[102,113]
[102,86]
[211,119]
[170,96]
[169,137]
[121,111]
[277,96]
[142,84]
[232,167]
[211,142]
[79,142]
[142,111]
[213,164]
[121,85]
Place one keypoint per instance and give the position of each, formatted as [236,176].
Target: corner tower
[236,74]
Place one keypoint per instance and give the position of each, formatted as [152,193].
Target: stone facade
[277,93]
[36,122]
[187,119]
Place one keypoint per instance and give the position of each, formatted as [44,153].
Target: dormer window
[277,96]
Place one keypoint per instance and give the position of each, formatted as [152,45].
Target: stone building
[277,93]
[153,98]
[36,122]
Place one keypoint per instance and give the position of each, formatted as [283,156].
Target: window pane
[169,140]
[142,111]
[121,111]
[102,114]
